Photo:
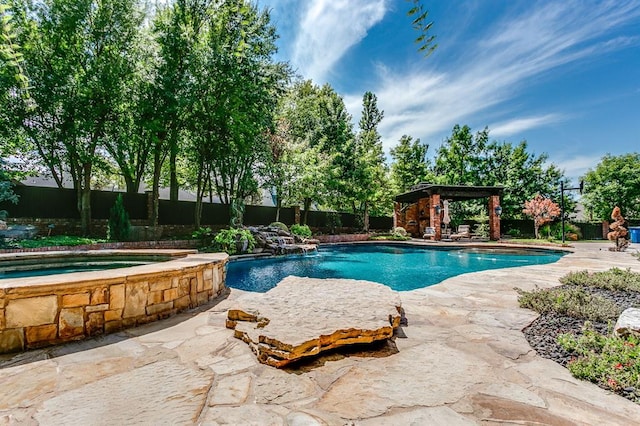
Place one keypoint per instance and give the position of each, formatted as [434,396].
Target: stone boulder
[628,323]
[303,317]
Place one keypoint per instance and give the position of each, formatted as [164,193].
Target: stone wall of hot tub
[41,312]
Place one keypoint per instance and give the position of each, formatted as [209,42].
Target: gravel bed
[543,332]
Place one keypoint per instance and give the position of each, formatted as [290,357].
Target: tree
[322,146]
[523,175]
[410,164]
[615,181]
[369,173]
[79,56]
[460,159]
[542,210]
[237,86]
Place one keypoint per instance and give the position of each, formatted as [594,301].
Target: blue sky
[562,74]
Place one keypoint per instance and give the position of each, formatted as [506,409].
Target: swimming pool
[401,267]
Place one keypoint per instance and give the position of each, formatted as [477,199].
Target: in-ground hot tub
[49,309]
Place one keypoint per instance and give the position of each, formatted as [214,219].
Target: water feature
[401,267]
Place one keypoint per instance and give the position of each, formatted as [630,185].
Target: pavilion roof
[448,192]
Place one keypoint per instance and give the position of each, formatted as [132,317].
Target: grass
[611,361]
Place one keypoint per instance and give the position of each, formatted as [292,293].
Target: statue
[618,232]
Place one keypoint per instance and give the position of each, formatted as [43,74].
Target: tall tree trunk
[131,184]
[307,206]
[85,200]
[155,190]
[366,217]
[278,207]
[173,184]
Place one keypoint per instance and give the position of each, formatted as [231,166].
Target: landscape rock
[303,317]
[628,323]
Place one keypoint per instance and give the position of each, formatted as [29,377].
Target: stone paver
[463,360]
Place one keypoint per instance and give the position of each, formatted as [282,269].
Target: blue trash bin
[634,231]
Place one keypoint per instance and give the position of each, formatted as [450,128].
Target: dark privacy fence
[54,203]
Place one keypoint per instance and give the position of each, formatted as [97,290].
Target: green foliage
[333,221]
[555,230]
[279,225]
[425,40]
[204,235]
[514,232]
[119,224]
[410,164]
[399,231]
[613,279]
[301,230]
[388,237]
[609,361]
[573,302]
[231,240]
[365,179]
[615,181]
[57,240]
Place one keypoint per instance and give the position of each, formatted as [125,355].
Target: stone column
[434,219]
[396,212]
[494,219]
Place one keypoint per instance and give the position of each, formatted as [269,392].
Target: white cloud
[328,28]
[519,125]
[576,166]
[516,50]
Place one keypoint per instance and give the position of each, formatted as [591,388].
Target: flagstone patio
[462,360]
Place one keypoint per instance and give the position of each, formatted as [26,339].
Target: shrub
[399,231]
[279,225]
[570,229]
[609,361]
[204,235]
[119,224]
[333,221]
[613,279]
[228,240]
[301,230]
[482,230]
[514,232]
[388,237]
[572,302]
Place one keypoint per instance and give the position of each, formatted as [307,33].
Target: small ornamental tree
[542,210]
[119,224]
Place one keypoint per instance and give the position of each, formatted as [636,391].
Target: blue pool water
[399,267]
[6,273]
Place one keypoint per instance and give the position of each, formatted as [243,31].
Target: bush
[572,302]
[119,224]
[204,235]
[301,230]
[279,225]
[388,237]
[231,240]
[333,221]
[514,232]
[613,279]
[609,361]
[399,231]
[570,230]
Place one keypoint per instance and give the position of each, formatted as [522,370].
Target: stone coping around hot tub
[46,310]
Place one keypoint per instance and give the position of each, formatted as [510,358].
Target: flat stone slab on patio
[303,317]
